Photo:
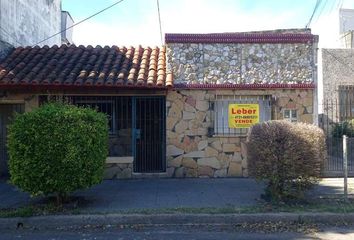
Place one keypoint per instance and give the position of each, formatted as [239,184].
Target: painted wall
[26,22]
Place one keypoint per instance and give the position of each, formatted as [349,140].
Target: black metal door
[149,134]
[6,114]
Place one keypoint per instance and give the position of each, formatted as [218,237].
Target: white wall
[26,22]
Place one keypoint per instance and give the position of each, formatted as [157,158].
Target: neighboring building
[338,84]
[346,27]
[182,110]
[66,22]
[26,23]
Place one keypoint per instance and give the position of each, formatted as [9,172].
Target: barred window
[346,102]
[290,115]
[221,110]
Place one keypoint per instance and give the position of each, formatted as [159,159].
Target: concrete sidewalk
[119,195]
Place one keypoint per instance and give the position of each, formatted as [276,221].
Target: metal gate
[149,134]
[6,114]
[335,121]
[136,127]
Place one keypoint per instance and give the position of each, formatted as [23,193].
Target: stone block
[170,171]
[171,134]
[181,126]
[173,95]
[172,150]
[202,105]
[244,164]
[236,157]
[193,124]
[235,169]
[189,163]
[217,145]
[229,147]
[188,115]
[176,162]
[202,144]
[200,116]
[210,152]
[212,162]
[110,172]
[199,94]
[234,140]
[189,108]
[194,154]
[205,171]
[191,101]
[220,173]
[175,112]
[125,174]
[179,172]
[170,122]
[191,172]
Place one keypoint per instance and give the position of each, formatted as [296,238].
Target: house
[180,110]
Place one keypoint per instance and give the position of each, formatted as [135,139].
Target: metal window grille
[119,113]
[221,104]
[290,115]
[346,100]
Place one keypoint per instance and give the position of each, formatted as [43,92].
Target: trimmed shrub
[288,156]
[57,148]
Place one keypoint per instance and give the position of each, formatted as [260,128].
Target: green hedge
[288,156]
[57,148]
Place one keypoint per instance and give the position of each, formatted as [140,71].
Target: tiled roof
[86,67]
[241,38]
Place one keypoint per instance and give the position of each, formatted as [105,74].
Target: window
[221,111]
[290,115]
[119,112]
[104,106]
[346,102]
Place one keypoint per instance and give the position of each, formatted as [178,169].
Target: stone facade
[219,63]
[192,151]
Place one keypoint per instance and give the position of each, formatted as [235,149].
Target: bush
[343,128]
[288,156]
[57,148]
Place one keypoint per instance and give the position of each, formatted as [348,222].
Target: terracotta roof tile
[85,66]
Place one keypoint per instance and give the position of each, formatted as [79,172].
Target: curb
[71,221]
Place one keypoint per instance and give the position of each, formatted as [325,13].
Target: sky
[134,22]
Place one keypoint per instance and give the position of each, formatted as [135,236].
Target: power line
[158,11]
[318,2]
[78,22]
[321,11]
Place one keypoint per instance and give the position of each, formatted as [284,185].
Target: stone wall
[241,63]
[193,152]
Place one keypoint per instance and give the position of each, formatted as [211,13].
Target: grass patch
[28,211]
[328,205]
